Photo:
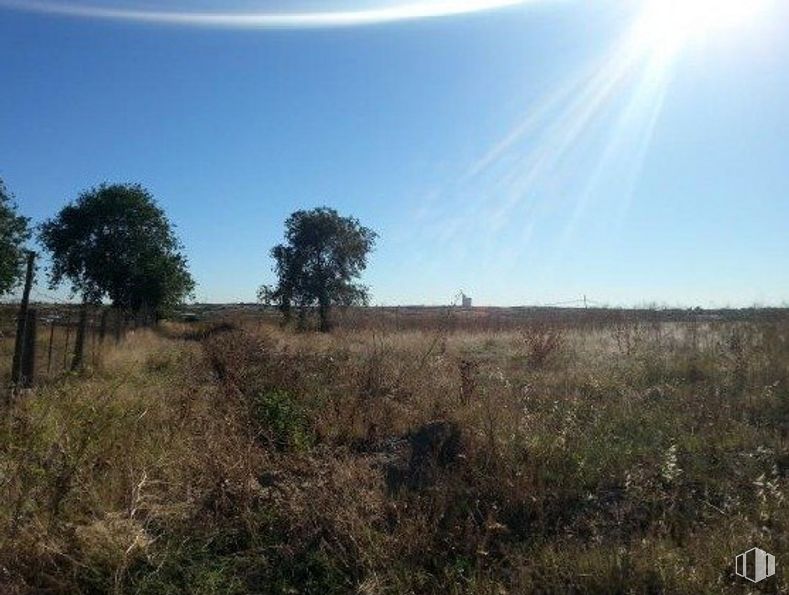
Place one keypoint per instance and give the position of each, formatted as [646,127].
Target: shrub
[542,342]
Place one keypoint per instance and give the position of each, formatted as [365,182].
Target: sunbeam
[597,127]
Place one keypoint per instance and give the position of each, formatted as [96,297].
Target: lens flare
[247,16]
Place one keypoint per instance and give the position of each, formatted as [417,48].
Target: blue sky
[529,154]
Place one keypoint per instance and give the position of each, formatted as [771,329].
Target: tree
[115,242]
[322,256]
[14,232]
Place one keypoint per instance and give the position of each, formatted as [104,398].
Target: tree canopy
[115,242]
[14,232]
[317,266]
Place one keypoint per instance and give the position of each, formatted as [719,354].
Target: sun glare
[672,23]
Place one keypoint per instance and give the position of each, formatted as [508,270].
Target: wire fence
[56,338]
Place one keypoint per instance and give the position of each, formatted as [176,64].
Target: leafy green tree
[115,242]
[14,232]
[318,264]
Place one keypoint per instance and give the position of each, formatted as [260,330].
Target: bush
[542,342]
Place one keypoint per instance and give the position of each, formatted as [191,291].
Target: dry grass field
[551,455]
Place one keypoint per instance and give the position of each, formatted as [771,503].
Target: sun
[670,24]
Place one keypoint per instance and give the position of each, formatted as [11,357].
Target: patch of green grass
[280,417]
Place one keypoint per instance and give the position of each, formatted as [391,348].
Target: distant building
[465,300]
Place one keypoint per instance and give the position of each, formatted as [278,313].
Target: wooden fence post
[21,331]
[65,348]
[51,341]
[103,324]
[79,345]
[93,340]
[28,366]
[118,324]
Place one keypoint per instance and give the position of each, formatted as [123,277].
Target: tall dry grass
[632,456]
